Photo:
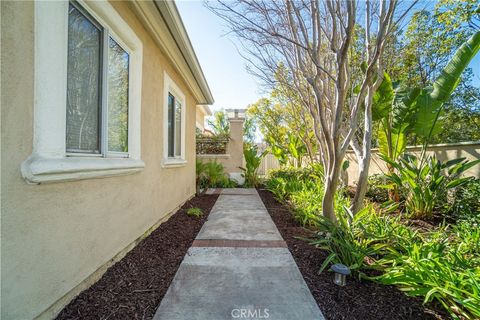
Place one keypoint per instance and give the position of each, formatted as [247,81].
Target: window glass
[83,83]
[118,61]
[178,129]
[171,124]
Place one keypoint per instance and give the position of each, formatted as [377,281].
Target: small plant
[427,180]
[252,163]
[211,175]
[194,212]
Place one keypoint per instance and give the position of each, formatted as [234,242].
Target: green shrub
[436,270]
[466,201]
[376,188]
[194,212]
[301,188]
[212,175]
[427,181]
[252,163]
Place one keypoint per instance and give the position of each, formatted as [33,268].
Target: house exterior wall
[54,236]
[200,119]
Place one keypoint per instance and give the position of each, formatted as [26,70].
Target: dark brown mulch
[135,285]
[359,299]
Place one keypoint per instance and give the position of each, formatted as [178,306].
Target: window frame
[171,88]
[106,34]
[50,161]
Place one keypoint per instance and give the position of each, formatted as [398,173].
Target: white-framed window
[88,75]
[174,124]
[98,69]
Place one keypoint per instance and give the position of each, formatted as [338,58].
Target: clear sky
[231,85]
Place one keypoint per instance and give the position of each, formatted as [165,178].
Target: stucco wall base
[58,306]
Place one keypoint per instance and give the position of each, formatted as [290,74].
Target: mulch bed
[135,285]
[358,299]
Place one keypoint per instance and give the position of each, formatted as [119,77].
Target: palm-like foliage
[427,180]
[252,163]
[400,110]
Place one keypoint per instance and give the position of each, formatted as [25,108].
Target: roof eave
[163,21]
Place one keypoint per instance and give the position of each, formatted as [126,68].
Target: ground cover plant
[441,264]
[211,175]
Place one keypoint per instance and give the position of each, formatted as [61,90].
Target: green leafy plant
[211,175]
[435,270]
[427,180]
[345,240]
[194,212]
[252,163]
[466,201]
[399,111]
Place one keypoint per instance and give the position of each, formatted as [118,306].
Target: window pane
[118,61]
[171,124]
[178,128]
[83,83]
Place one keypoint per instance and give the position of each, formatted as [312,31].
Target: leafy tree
[425,49]
[220,124]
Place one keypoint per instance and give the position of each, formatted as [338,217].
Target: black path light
[341,273]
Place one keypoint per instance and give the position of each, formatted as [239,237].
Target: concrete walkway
[238,267]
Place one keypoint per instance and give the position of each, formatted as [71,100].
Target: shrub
[301,188]
[441,265]
[466,201]
[212,175]
[252,163]
[378,188]
[436,269]
[194,212]
[427,180]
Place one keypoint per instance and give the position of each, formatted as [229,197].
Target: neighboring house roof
[163,21]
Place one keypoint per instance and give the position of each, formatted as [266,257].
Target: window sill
[38,170]
[174,163]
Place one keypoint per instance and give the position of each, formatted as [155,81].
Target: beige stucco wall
[444,152]
[54,236]
[233,159]
[200,118]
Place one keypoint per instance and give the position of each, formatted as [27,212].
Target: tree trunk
[328,202]
[362,184]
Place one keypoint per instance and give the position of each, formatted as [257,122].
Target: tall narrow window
[97,88]
[174,127]
[171,125]
[83,83]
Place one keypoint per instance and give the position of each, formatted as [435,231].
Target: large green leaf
[403,108]
[430,101]
[382,99]
[451,74]
[427,116]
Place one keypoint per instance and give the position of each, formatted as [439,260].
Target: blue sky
[224,68]
[232,86]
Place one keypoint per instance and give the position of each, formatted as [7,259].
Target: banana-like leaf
[428,115]
[398,143]
[430,101]
[451,74]
[383,99]
[403,108]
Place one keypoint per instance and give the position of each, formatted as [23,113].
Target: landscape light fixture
[341,273]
